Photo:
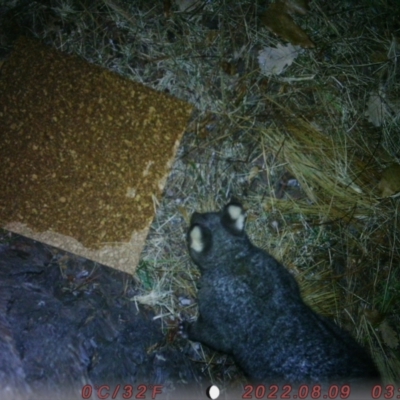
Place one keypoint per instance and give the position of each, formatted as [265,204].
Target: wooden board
[83,153]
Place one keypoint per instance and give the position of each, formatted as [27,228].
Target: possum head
[216,237]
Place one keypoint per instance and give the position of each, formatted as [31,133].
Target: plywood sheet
[83,153]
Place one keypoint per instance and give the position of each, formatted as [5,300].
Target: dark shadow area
[66,322]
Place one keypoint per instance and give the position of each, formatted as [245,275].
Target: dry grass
[297,149]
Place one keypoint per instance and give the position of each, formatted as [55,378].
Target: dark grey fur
[250,306]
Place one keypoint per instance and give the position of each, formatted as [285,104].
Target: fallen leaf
[278,20]
[377,110]
[389,335]
[253,173]
[187,5]
[275,60]
[229,68]
[167,8]
[390,181]
[374,316]
[184,213]
[297,6]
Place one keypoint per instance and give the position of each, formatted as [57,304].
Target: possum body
[250,307]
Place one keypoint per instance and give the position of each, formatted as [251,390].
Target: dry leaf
[374,316]
[297,6]
[389,335]
[229,68]
[390,181]
[379,57]
[377,110]
[276,60]
[279,22]
[394,49]
[184,213]
[253,173]
[187,5]
[167,8]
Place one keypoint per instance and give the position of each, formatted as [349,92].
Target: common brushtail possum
[250,307]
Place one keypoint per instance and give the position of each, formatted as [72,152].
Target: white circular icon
[213,392]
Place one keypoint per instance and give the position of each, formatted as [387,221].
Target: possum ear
[199,239]
[234,217]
